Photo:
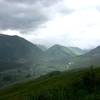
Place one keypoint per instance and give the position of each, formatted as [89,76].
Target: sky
[48,22]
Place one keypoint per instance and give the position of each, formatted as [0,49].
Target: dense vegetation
[70,85]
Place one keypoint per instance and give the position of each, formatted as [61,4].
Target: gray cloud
[98,8]
[25,15]
[43,2]
[65,11]
[21,16]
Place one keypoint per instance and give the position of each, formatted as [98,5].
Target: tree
[89,80]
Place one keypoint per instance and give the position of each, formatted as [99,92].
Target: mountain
[54,58]
[16,52]
[59,54]
[90,58]
[42,47]
[77,50]
[57,57]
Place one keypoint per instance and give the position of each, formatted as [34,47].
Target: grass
[67,85]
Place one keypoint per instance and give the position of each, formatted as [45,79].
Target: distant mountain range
[21,59]
[59,54]
[42,47]
[16,52]
[77,50]
[21,62]
[88,59]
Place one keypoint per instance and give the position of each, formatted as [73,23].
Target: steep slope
[16,51]
[59,54]
[77,50]
[57,57]
[42,47]
[88,59]
[70,85]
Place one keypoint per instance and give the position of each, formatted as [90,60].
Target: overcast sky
[48,22]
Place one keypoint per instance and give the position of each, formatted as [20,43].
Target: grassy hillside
[77,50]
[71,85]
[90,58]
[17,53]
[58,55]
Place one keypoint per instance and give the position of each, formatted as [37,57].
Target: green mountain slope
[77,50]
[57,57]
[14,49]
[42,47]
[71,85]
[59,54]
[88,59]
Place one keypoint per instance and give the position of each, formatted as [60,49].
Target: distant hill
[88,59]
[18,51]
[56,58]
[42,47]
[59,54]
[77,50]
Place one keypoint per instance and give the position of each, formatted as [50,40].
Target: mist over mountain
[78,51]
[59,54]
[91,58]
[42,47]
[16,52]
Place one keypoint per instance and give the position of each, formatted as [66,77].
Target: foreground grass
[68,85]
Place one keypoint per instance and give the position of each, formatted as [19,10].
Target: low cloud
[21,17]
[67,22]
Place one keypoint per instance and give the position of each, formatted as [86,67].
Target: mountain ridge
[15,49]
[88,59]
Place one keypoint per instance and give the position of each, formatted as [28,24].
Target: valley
[28,67]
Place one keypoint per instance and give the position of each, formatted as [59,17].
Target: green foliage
[90,58]
[71,85]
[77,50]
